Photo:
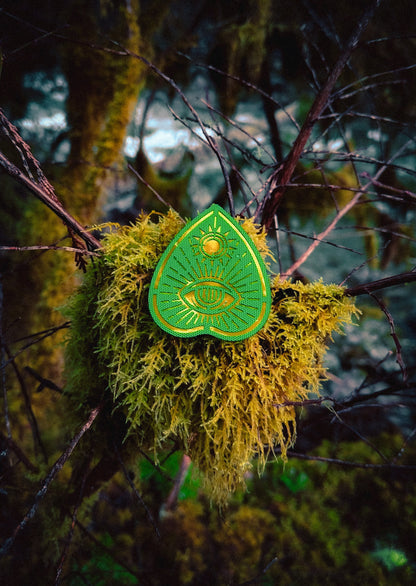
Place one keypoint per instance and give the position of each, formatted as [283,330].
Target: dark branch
[349,464]
[50,202]
[49,478]
[368,288]
[283,173]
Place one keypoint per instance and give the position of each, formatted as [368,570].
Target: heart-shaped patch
[212,280]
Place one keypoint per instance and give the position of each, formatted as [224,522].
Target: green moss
[221,402]
[248,535]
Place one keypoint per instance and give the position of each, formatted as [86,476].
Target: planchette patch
[212,280]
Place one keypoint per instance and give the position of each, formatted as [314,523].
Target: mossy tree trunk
[103,92]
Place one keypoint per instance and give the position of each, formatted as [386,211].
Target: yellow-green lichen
[223,403]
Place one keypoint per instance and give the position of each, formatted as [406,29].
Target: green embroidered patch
[212,280]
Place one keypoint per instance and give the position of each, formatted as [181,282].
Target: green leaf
[295,480]
[390,557]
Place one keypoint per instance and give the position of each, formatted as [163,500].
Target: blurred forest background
[298,114]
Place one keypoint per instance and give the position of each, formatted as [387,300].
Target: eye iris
[208,296]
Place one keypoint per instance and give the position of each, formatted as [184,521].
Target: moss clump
[221,402]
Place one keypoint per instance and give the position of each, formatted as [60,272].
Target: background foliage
[129,104]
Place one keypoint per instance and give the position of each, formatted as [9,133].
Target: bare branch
[409,437]
[19,453]
[399,357]
[43,382]
[37,440]
[136,492]
[42,190]
[110,552]
[172,499]
[359,435]
[48,247]
[50,202]
[245,83]
[71,531]
[2,360]
[349,464]
[147,184]
[284,172]
[211,142]
[395,280]
[341,213]
[34,339]
[47,481]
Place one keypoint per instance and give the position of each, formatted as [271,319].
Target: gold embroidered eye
[209,296]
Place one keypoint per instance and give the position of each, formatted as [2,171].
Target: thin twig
[211,142]
[349,464]
[50,201]
[48,247]
[19,453]
[258,579]
[2,360]
[34,340]
[340,92]
[399,356]
[44,383]
[359,435]
[49,478]
[245,83]
[342,212]
[172,499]
[136,492]
[109,551]
[234,124]
[157,466]
[147,184]
[400,453]
[71,531]
[37,440]
[284,172]
[313,238]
